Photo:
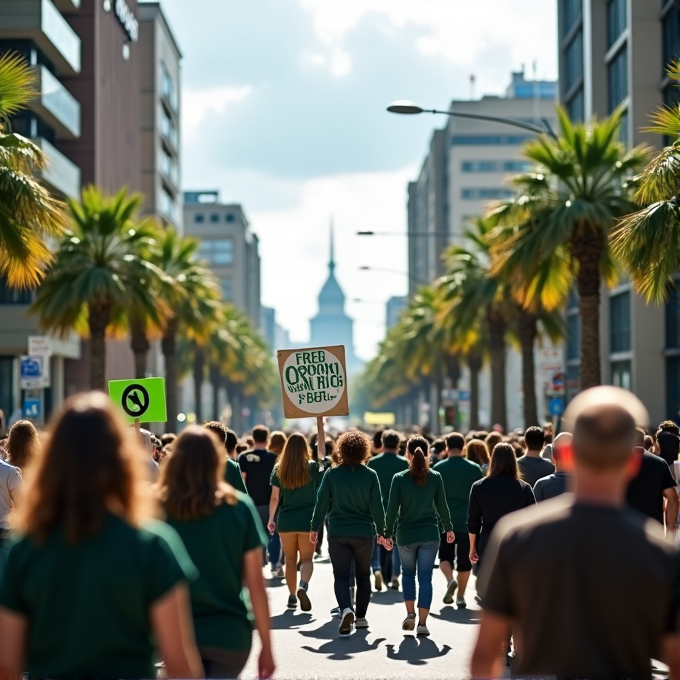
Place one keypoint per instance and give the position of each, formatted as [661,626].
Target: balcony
[41,21]
[61,175]
[57,106]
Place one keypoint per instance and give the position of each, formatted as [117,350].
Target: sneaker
[277,572]
[378,581]
[361,623]
[305,602]
[422,630]
[461,603]
[292,603]
[394,584]
[409,622]
[450,590]
[346,622]
[335,613]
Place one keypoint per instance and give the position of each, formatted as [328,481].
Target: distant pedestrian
[23,445]
[556,484]
[377,442]
[222,533]
[557,573]
[416,508]
[11,493]
[93,588]
[350,498]
[532,466]
[295,481]
[277,442]
[458,475]
[152,467]
[228,439]
[476,451]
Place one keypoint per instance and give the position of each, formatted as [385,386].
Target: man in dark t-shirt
[570,560]
[531,465]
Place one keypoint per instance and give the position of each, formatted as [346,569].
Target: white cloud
[196,104]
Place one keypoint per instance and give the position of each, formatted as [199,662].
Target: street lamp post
[403,233]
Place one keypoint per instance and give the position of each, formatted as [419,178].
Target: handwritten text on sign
[314,380]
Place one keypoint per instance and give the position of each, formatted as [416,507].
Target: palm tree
[568,208]
[28,213]
[648,240]
[97,272]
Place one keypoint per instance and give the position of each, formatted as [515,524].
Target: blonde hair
[23,444]
[292,467]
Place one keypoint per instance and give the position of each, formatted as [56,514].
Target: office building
[229,247]
[393,309]
[614,54]
[275,335]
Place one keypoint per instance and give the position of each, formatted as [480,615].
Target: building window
[214,218]
[14,296]
[169,88]
[167,204]
[573,62]
[616,20]
[617,70]
[671,36]
[573,336]
[576,107]
[495,166]
[489,140]
[169,129]
[227,287]
[199,218]
[486,194]
[217,251]
[619,313]
[168,167]
[573,10]
[230,217]
[622,375]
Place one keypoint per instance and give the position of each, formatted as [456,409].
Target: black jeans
[342,550]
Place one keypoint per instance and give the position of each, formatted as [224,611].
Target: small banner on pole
[140,400]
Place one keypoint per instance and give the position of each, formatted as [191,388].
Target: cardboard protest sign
[142,400]
[314,382]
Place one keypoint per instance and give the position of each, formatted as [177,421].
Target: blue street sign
[32,408]
[31,367]
[556,407]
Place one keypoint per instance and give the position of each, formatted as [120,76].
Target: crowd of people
[122,553]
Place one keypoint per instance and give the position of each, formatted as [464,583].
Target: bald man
[568,572]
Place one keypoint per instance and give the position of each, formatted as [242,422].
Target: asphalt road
[307,645]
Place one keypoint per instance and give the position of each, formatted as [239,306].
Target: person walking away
[653,487]
[416,508]
[295,481]
[387,465]
[349,497]
[495,496]
[277,442]
[569,591]
[556,484]
[228,439]
[324,462]
[532,466]
[222,533]
[256,466]
[458,475]
[93,587]
[23,445]
[11,484]
[477,452]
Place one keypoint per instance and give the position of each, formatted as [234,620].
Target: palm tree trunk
[587,249]
[169,347]
[497,327]
[236,408]
[453,369]
[528,330]
[99,317]
[140,346]
[474,362]
[199,372]
[215,380]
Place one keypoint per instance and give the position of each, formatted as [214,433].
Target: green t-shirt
[232,476]
[350,497]
[458,474]
[88,604]
[216,544]
[419,510]
[386,466]
[296,506]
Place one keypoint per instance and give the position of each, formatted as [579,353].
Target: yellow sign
[379,418]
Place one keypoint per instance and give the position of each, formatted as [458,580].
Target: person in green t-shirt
[295,481]
[232,470]
[90,588]
[349,499]
[459,474]
[416,508]
[223,535]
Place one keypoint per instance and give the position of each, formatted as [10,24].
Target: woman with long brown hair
[417,507]
[222,533]
[92,585]
[295,481]
[23,445]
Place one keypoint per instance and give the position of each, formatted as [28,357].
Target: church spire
[331,262]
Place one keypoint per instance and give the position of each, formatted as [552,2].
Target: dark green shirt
[232,476]
[386,466]
[417,509]
[216,544]
[88,604]
[296,506]
[352,494]
[458,475]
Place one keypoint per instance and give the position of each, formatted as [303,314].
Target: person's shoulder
[647,529]
[232,463]
[432,474]
[527,521]
[376,460]
[545,480]
[524,485]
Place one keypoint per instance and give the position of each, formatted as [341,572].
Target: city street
[307,645]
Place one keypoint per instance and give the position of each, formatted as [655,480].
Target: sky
[284,112]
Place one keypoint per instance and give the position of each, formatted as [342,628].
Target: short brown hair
[260,434]
[504,461]
[23,444]
[191,483]
[669,426]
[391,440]
[478,452]
[277,441]
[455,441]
[353,448]
[219,429]
[492,439]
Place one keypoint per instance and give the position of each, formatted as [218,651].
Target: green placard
[142,400]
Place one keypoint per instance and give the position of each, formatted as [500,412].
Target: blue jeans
[274,544]
[418,557]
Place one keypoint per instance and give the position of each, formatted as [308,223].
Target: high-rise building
[229,246]
[274,334]
[614,53]
[393,309]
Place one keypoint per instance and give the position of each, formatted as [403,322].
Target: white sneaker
[361,623]
[461,603]
[450,590]
[422,630]
[346,622]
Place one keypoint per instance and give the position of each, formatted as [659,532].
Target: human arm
[474,520]
[393,506]
[443,508]
[376,505]
[273,505]
[474,556]
[252,572]
[671,512]
[174,632]
[494,630]
[323,500]
[13,636]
